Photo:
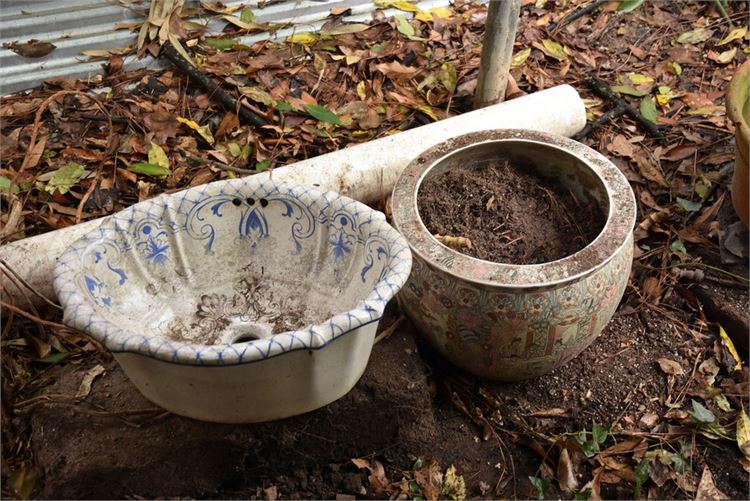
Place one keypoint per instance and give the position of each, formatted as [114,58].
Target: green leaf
[540,485]
[234,149]
[680,458]
[220,43]
[54,357]
[687,205]
[24,481]
[261,166]
[678,247]
[247,16]
[246,151]
[629,90]
[157,156]
[380,47]
[7,185]
[149,169]
[629,5]
[403,26]
[584,495]
[599,433]
[448,76]
[283,106]
[695,36]
[700,414]
[65,177]
[722,403]
[641,477]
[323,114]
[648,109]
[676,68]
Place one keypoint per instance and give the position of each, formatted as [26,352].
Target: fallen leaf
[149,169]
[566,476]
[203,130]
[727,341]
[454,485]
[396,4]
[362,90]
[24,481]
[650,171]
[85,388]
[679,152]
[743,433]
[157,156]
[629,5]
[65,178]
[707,490]
[403,26]
[695,36]
[725,57]
[649,420]
[323,114]
[553,49]
[429,14]
[430,479]
[735,34]
[520,57]
[448,76]
[394,69]
[622,147]
[652,289]
[304,37]
[32,48]
[670,367]
[648,109]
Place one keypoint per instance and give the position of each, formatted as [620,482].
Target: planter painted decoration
[505,321]
[238,301]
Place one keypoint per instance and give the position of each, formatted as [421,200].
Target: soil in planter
[510,216]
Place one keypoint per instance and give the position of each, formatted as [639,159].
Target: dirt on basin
[509,215]
[409,418]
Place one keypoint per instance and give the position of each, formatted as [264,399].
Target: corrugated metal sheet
[77,25]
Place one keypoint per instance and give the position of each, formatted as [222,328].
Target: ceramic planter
[504,321]
[237,301]
[738,109]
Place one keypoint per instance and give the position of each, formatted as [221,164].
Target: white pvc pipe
[366,172]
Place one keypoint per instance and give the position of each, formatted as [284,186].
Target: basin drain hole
[250,201]
[263,202]
[236,202]
[246,338]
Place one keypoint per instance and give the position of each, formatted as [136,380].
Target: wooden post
[497,51]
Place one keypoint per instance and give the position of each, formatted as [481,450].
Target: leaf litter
[407,71]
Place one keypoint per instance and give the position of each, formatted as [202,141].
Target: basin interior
[223,269]
[547,161]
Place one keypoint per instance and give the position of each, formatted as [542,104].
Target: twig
[606,117]
[603,90]
[34,318]
[219,94]
[578,14]
[103,118]
[213,163]
[28,286]
[389,330]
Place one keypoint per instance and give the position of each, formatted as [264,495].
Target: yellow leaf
[695,36]
[639,78]
[427,110]
[304,37]
[727,56]
[396,4]
[454,485]
[730,346]
[157,156]
[735,34]
[520,57]
[362,90]
[743,433]
[706,111]
[554,49]
[441,12]
[202,130]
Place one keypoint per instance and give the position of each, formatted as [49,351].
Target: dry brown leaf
[652,289]
[622,147]
[566,476]
[85,388]
[679,152]
[396,70]
[430,479]
[32,48]
[670,367]
[650,171]
[707,490]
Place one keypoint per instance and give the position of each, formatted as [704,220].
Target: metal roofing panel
[77,25]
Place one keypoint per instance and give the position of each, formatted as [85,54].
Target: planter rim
[615,234]
[737,95]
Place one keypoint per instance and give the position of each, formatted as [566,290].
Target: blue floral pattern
[150,239]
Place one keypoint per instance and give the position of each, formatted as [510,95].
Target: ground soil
[403,408]
[509,214]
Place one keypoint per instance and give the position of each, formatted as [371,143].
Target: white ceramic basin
[237,301]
